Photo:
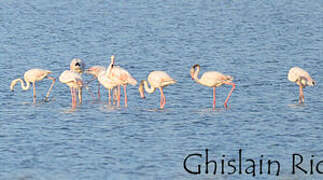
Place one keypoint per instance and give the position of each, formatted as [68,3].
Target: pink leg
[162,98]
[34,92]
[233,87]
[73,97]
[109,96]
[125,95]
[214,98]
[301,95]
[50,88]
[99,95]
[119,92]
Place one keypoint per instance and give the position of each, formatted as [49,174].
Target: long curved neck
[23,86]
[196,73]
[147,88]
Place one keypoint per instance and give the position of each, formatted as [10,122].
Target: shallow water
[256,42]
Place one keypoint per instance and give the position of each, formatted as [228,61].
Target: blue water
[256,42]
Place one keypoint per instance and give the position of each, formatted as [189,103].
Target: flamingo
[301,78]
[213,79]
[78,66]
[121,77]
[100,73]
[74,81]
[95,71]
[32,76]
[156,79]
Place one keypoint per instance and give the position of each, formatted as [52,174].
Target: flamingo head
[77,65]
[141,89]
[192,71]
[303,81]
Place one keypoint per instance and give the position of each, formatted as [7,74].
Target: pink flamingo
[32,76]
[102,74]
[78,66]
[95,71]
[74,81]
[156,79]
[121,77]
[301,78]
[212,79]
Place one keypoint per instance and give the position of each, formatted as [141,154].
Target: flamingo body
[212,79]
[33,76]
[302,79]
[121,77]
[156,79]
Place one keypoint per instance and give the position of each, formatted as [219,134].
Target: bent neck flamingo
[32,76]
[302,79]
[156,79]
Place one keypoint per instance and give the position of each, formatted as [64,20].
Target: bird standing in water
[121,77]
[32,76]
[73,79]
[302,79]
[213,79]
[156,79]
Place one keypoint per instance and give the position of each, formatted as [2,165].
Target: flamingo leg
[109,101]
[233,87]
[214,98]
[125,95]
[162,98]
[99,95]
[34,92]
[73,97]
[119,92]
[115,93]
[50,88]
[301,95]
[80,95]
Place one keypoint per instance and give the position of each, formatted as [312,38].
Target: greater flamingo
[78,66]
[212,79]
[95,71]
[74,81]
[32,76]
[100,73]
[301,78]
[121,77]
[156,79]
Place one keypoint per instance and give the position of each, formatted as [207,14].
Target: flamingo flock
[113,77]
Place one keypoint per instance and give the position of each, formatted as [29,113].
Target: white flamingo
[302,79]
[212,79]
[32,76]
[156,79]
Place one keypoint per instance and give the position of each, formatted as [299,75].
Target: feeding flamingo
[95,71]
[78,66]
[102,74]
[212,79]
[156,79]
[121,77]
[301,78]
[32,76]
[74,80]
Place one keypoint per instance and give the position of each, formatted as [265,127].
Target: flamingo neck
[147,88]
[195,75]
[23,86]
